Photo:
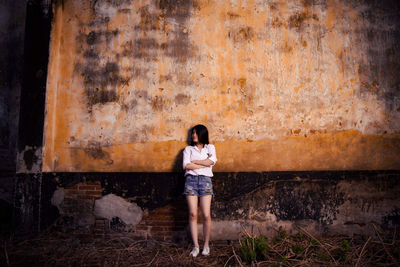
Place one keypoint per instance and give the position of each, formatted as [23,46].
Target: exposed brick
[173,228]
[158,218]
[162,233]
[142,227]
[85,197]
[72,192]
[87,187]
[71,187]
[161,223]
[165,209]
[165,212]
[92,183]
[93,193]
[157,228]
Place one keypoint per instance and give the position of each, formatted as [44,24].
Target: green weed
[254,248]
[297,249]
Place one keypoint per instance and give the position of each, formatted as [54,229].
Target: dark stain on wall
[296,200]
[241,34]
[379,72]
[232,15]
[288,195]
[299,19]
[164,78]
[392,218]
[177,45]
[146,48]
[92,38]
[286,47]
[287,200]
[90,54]
[141,134]
[100,80]
[176,8]
[276,22]
[157,103]
[116,3]
[129,106]
[95,151]
[30,158]
[101,96]
[127,49]
[96,37]
[182,99]
[148,21]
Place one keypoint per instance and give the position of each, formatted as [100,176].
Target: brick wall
[165,223]
[85,190]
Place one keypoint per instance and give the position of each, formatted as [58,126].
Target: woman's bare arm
[204,162]
[193,166]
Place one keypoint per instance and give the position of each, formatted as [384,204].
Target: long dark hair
[202,134]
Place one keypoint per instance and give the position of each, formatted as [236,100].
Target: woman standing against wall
[198,159]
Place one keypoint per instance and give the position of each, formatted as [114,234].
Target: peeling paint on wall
[281,86]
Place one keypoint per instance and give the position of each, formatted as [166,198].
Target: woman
[198,159]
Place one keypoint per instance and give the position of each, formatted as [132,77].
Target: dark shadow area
[177,165]
[180,210]
[379,71]
[6,212]
[180,215]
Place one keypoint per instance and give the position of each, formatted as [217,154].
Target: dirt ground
[69,249]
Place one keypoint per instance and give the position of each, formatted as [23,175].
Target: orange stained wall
[281,85]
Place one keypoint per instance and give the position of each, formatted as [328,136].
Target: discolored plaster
[308,85]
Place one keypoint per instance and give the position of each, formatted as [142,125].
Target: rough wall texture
[281,85]
[12,26]
[33,91]
[298,86]
[326,202]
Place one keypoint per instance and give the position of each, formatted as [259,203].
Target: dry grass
[61,249]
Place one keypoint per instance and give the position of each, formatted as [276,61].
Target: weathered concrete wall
[281,85]
[36,57]
[28,179]
[12,28]
[322,202]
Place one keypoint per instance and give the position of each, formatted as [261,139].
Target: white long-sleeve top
[191,153]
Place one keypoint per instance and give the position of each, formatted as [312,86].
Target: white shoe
[195,251]
[206,251]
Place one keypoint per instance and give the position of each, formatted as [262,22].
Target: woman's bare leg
[205,206]
[192,201]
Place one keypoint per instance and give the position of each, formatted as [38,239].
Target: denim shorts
[198,185]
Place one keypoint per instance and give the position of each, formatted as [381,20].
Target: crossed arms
[198,164]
